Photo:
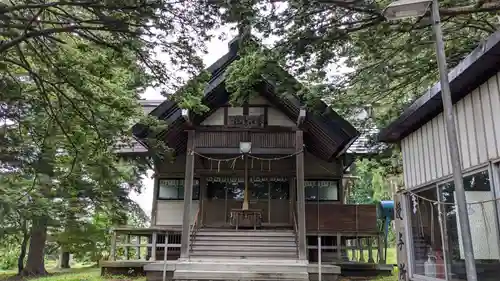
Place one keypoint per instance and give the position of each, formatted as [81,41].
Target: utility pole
[470,264]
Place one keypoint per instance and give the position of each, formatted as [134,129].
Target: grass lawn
[80,272]
[93,274]
[391,255]
[74,274]
[394,277]
[50,266]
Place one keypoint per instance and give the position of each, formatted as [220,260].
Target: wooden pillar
[319,257]
[352,244]
[380,249]
[339,246]
[203,195]
[127,241]
[360,245]
[155,199]
[154,240]
[188,195]
[138,247]
[293,200]
[165,250]
[301,207]
[246,197]
[370,250]
[165,257]
[112,254]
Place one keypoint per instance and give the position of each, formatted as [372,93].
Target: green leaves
[191,94]
[391,63]
[243,75]
[372,185]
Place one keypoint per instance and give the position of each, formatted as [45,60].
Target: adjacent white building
[427,224]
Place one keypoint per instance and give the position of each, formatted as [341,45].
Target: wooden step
[255,261]
[246,233]
[242,249]
[243,238]
[242,255]
[257,243]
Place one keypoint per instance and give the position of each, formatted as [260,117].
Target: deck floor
[330,268]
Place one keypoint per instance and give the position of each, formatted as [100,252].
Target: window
[483,221]
[173,189]
[321,190]
[260,188]
[436,235]
[235,190]
[216,190]
[426,233]
[279,190]
[225,188]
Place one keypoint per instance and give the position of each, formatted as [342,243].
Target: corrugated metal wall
[425,153]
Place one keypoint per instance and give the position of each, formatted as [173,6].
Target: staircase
[222,254]
[229,244]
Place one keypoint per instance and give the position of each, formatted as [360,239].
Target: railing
[128,243]
[194,229]
[348,247]
[232,139]
[295,231]
[348,218]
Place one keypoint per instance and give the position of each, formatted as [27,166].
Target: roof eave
[471,72]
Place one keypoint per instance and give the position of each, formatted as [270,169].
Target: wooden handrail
[295,230]
[138,244]
[194,229]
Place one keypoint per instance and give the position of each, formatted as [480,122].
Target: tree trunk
[64,259]
[35,264]
[24,245]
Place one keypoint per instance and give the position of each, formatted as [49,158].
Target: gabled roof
[470,73]
[135,147]
[327,135]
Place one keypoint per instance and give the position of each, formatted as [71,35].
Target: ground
[78,274]
[81,272]
[93,274]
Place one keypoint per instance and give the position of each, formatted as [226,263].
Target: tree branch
[45,32]
[486,7]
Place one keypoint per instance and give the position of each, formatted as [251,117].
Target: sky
[216,48]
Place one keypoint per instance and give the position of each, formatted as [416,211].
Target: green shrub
[8,257]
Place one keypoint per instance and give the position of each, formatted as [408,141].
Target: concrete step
[239,255]
[257,266]
[242,249]
[256,243]
[238,275]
